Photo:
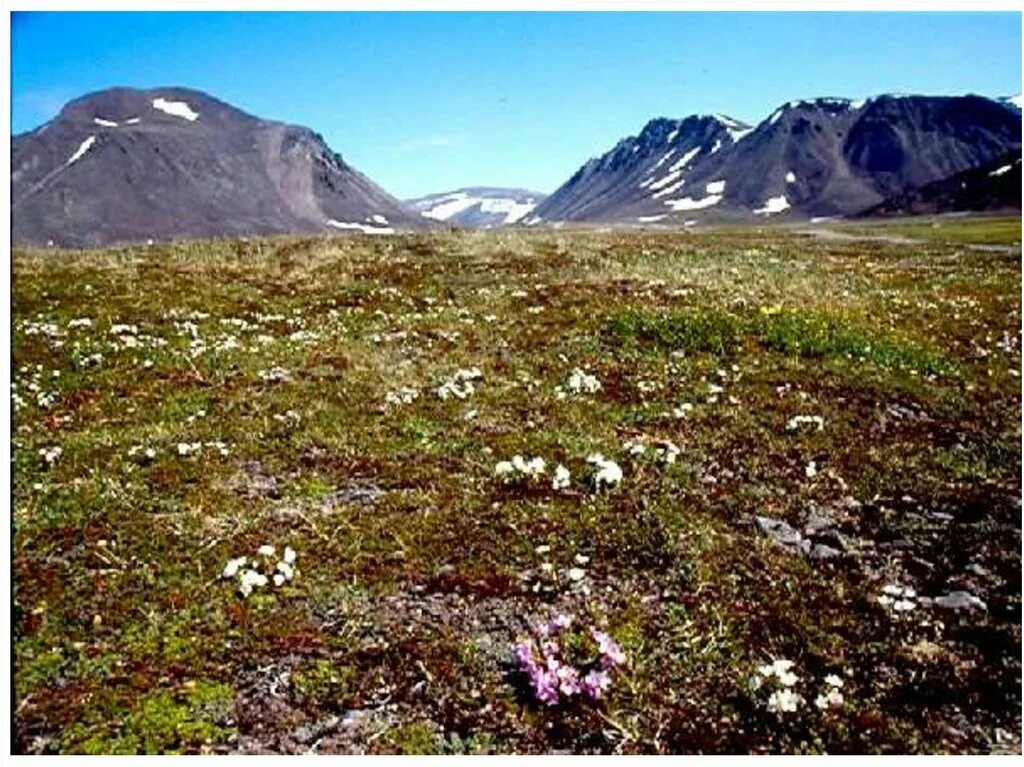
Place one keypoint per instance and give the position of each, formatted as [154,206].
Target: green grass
[989,230]
[418,570]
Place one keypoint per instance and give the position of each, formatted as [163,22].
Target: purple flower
[595,683]
[559,623]
[545,686]
[568,681]
[611,653]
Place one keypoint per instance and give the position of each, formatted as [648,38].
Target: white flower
[251,579]
[634,446]
[666,452]
[797,421]
[404,396]
[289,555]
[609,473]
[232,567]
[459,385]
[279,579]
[833,680]
[811,470]
[682,410]
[274,375]
[561,479]
[187,448]
[581,382]
[519,468]
[576,573]
[898,598]
[286,570]
[266,550]
[51,454]
[784,701]
[830,699]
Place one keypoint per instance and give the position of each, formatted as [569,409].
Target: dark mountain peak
[127,164]
[169,106]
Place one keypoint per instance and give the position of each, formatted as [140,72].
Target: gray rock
[821,551]
[960,600]
[817,524]
[781,532]
[311,732]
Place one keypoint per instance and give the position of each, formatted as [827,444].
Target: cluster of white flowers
[608,474]
[777,680]
[578,382]
[665,451]
[51,454]
[550,578]
[519,469]
[188,448]
[274,375]
[80,322]
[261,570]
[647,387]
[404,396]
[561,479]
[148,452]
[773,685]
[797,421]
[831,697]
[459,385]
[288,417]
[899,599]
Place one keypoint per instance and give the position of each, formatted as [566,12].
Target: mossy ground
[417,568]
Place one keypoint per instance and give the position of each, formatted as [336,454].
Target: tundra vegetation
[519,491]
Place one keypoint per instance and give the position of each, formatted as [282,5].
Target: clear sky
[426,102]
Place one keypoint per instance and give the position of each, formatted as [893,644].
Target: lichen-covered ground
[845,496]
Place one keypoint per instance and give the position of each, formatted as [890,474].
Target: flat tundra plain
[520,491]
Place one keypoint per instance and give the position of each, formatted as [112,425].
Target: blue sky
[425,102]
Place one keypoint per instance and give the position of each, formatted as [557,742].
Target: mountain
[125,164]
[993,187]
[811,158]
[640,172]
[478,206]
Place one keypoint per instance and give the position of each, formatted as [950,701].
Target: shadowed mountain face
[478,207]
[129,165]
[993,187]
[824,157]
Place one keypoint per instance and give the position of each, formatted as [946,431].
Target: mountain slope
[994,187]
[640,169]
[820,157]
[125,164]
[478,206]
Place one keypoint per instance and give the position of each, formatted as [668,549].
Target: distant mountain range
[125,164]
[819,158]
[478,206]
[128,165]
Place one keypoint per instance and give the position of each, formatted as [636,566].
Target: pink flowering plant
[562,663]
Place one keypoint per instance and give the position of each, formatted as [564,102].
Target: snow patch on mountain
[364,228]
[176,108]
[82,149]
[773,205]
[688,203]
